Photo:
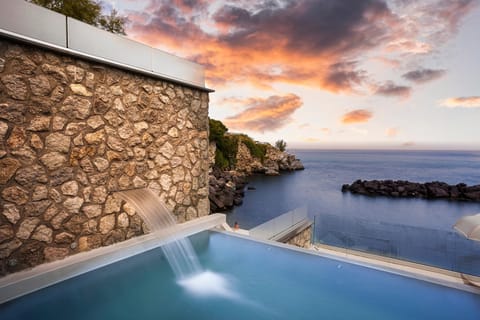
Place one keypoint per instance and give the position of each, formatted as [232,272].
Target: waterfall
[179,253]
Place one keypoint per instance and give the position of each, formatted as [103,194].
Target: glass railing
[276,226]
[438,248]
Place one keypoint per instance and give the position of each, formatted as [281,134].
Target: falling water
[179,253]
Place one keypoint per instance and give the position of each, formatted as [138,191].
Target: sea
[417,230]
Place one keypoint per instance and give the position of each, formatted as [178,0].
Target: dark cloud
[306,42]
[423,75]
[313,27]
[265,114]
[390,89]
[357,116]
[320,37]
[344,75]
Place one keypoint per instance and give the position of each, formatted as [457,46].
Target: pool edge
[17,284]
[420,272]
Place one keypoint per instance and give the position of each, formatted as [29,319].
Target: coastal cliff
[234,157]
[407,189]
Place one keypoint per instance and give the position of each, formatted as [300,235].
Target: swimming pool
[245,280]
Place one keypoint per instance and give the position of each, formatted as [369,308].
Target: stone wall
[73,132]
[303,239]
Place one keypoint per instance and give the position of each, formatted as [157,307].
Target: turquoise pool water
[245,280]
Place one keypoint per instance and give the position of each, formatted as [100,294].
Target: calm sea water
[414,229]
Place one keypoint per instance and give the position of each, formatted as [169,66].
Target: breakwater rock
[226,189]
[407,189]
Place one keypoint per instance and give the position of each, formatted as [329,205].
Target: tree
[217,130]
[88,11]
[226,151]
[281,145]
[113,22]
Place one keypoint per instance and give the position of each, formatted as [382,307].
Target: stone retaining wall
[302,239]
[73,132]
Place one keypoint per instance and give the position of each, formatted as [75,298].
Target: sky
[394,74]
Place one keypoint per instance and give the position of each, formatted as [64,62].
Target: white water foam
[209,284]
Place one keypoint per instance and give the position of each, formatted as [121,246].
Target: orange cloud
[265,114]
[394,63]
[391,132]
[326,130]
[357,116]
[311,140]
[320,44]
[254,45]
[462,102]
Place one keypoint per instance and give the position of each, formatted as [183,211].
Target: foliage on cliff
[88,11]
[227,145]
[281,145]
[258,150]
[226,151]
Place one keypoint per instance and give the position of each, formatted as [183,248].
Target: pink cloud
[391,132]
[267,114]
[357,116]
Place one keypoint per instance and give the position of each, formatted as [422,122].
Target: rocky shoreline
[227,187]
[407,189]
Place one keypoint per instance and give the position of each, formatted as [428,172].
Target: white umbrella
[469,226]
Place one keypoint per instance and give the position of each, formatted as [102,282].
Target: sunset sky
[329,73]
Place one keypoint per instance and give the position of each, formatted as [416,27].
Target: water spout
[179,253]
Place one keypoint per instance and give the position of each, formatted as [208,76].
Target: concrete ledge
[403,268]
[292,231]
[21,283]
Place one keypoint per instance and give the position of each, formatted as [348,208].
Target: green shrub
[220,160]
[217,130]
[281,145]
[257,150]
[227,145]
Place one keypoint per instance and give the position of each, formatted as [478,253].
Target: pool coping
[24,282]
[407,269]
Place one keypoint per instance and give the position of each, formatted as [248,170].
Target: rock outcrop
[226,188]
[277,161]
[407,189]
[274,162]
